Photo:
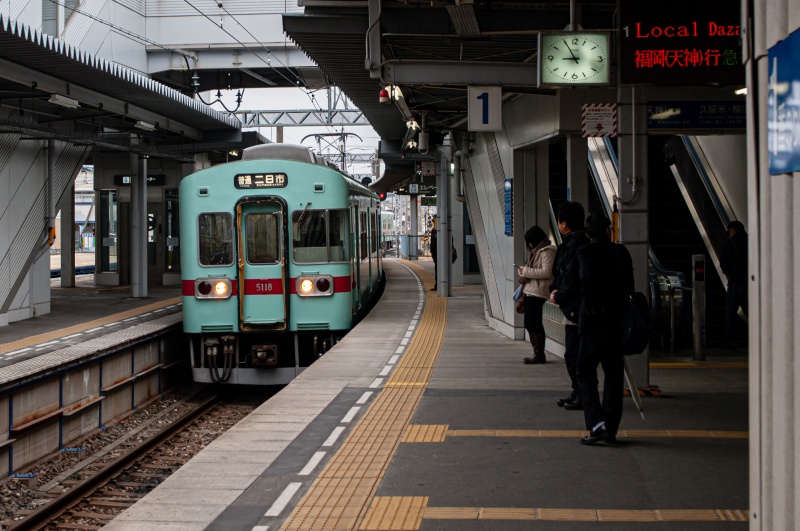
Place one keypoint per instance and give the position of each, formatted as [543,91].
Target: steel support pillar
[138,226]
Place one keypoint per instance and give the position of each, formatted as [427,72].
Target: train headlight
[306,286]
[213,288]
[315,286]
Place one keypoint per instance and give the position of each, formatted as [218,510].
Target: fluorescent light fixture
[412,124]
[741,92]
[64,101]
[144,126]
[665,114]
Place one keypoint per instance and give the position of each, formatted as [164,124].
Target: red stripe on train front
[263,286]
[340,285]
[187,288]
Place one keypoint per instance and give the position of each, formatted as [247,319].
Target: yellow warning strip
[425,433]
[342,494]
[584,515]
[405,513]
[699,365]
[55,334]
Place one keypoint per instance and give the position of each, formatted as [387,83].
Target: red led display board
[681,42]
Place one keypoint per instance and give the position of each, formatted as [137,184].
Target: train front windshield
[318,236]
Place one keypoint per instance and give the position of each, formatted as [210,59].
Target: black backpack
[636,319]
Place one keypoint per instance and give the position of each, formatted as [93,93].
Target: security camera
[422,142]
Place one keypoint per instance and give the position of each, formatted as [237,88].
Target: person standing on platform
[733,261]
[434,249]
[565,290]
[606,283]
[536,277]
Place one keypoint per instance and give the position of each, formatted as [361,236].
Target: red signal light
[382,196]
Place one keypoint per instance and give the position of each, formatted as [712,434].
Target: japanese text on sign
[260,180]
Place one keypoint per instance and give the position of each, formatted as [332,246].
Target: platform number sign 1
[484,108]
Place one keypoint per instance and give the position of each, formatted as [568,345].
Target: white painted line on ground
[399,350]
[260,528]
[111,324]
[414,323]
[73,336]
[364,398]
[404,341]
[283,500]
[93,330]
[376,383]
[129,319]
[386,370]
[393,359]
[45,344]
[312,464]
[351,414]
[16,352]
[159,310]
[333,436]
[146,314]
[408,333]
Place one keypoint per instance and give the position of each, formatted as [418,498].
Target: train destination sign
[691,42]
[260,180]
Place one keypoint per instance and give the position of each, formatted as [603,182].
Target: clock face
[573,59]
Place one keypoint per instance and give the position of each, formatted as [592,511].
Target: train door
[262,283]
[355,258]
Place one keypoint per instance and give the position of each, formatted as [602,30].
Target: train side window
[263,241]
[337,238]
[309,235]
[215,233]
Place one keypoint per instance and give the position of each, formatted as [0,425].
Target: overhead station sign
[690,42]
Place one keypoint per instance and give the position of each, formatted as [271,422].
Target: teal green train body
[280,257]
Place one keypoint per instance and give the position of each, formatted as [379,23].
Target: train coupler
[265,355]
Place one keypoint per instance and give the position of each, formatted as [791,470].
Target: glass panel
[109,216]
[262,238]
[338,235]
[173,232]
[308,235]
[216,237]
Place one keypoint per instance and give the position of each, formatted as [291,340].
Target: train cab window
[309,236]
[320,236]
[337,235]
[263,238]
[215,233]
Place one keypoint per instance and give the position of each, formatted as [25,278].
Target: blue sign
[508,203]
[693,115]
[783,106]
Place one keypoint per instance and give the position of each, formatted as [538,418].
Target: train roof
[294,152]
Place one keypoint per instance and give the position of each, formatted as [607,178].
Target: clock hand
[573,58]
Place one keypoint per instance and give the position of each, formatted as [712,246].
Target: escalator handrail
[706,179]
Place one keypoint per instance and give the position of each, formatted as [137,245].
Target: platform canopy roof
[431,51]
[49,89]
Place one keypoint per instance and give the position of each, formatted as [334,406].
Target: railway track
[86,487]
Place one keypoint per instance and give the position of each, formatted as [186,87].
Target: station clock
[573,59]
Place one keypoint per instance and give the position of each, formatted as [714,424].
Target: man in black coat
[606,281]
[733,261]
[565,289]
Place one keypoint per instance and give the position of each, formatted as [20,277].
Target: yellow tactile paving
[699,365]
[586,515]
[712,434]
[395,513]
[340,496]
[49,336]
[419,433]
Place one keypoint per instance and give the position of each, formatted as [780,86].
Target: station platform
[424,418]
[81,313]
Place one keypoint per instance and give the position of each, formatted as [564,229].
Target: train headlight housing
[315,285]
[213,288]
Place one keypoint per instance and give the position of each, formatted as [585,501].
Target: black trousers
[533,315]
[571,353]
[596,348]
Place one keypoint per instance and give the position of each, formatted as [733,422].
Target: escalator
[670,308]
[687,215]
